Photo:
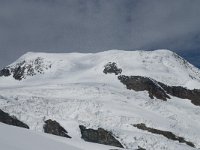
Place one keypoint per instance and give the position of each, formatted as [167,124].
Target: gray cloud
[95,25]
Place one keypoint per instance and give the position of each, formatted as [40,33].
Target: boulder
[53,127]
[11,120]
[100,136]
[111,67]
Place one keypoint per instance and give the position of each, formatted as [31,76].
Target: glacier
[72,89]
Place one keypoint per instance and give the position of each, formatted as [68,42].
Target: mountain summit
[127,99]
[162,65]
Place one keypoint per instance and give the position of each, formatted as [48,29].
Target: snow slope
[14,138]
[162,65]
[28,140]
[73,90]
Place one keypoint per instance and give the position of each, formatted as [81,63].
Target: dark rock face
[139,83]
[10,120]
[111,67]
[166,134]
[55,128]
[140,148]
[22,69]
[158,89]
[181,92]
[100,136]
[18,73]
[5,72]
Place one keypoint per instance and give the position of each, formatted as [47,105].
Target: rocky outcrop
[154,88]
[53,127]
[24,68]
[5,72]
[139,83]
[158,89]
[11,120]
[100,136]
[166,134]
[140,148]
[18,73]
[181,92]
[111,67]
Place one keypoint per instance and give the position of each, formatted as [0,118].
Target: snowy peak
[162,65]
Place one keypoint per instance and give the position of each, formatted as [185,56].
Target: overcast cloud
[97,25]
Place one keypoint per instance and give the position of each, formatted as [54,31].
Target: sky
[99,25]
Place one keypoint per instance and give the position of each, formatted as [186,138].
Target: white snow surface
[15,138]
[74,90]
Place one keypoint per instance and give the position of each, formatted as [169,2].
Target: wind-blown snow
[74,90]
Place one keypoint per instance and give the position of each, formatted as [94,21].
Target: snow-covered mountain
[126,99]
